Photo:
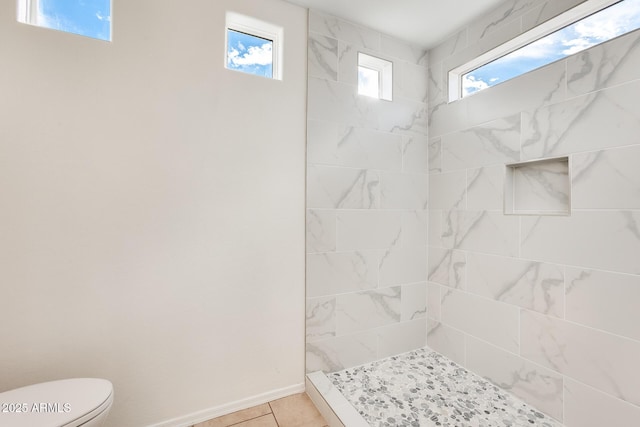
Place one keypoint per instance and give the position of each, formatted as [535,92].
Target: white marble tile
[608,240]
[403,50]
[448,190]
[410,82]
[601,360]
[370,149]
[483,318]
[537,386]
[322,141]
[320,318]
[367,229]
[485,189]
[322,57]
[528,284]
[414,302]
[435,155]
[357,312]
[402,116]
[496,142]
[348,62]
[342,188]
[415,154]
[608,64]
[608,179]
[545,11]
[340,103]
[447,267]
[437,91]
[338,353]
[446,117]
[449,47]
[337,28]
[604,300]
[604,119]
[585,406]
[404,190]
[481,231]
[334,273]
[402,337]
[436,228]
[539,187]
[445,340]
[321,230]
[499,17]
[537,88]
[414,228]
[400,266]
[433,301]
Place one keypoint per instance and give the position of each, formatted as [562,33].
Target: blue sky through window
[604,25]
[91,18]
[250,54]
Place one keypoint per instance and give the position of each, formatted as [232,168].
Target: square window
[253,46]
[368,82]
[375,77]
[90,18]
[249,54]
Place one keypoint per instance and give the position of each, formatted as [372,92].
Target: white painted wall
[152,209]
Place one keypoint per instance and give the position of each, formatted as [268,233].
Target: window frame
[384,68]
[554,24]
[257,28]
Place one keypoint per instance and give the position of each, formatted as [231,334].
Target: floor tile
[263,421]
[297,411]
[237,417]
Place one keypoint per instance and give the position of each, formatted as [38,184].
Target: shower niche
[538,187]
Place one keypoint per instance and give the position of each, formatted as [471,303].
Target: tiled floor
[292,411]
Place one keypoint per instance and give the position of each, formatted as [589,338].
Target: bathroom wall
[544,306]
[152,211]
[367,183]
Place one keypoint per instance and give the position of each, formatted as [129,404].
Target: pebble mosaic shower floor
[423,388]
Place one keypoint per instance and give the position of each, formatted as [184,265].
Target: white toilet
[66,403]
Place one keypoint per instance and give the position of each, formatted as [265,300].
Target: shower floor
[423,388]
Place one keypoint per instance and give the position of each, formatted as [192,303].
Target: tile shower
[544,306]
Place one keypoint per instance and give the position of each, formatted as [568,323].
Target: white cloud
[470,84]
[101,17]
[255,55]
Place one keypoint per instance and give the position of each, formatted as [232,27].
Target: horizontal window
[90,18]
[589,24]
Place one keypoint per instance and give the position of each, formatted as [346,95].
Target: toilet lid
[66,403]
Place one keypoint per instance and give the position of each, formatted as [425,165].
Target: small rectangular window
[253,46]
[90,18]
[375,77]
[589,24]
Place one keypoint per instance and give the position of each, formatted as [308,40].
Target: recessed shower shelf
[538,187]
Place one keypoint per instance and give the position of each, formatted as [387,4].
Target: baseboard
[227,408]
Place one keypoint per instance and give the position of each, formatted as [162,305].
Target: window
[375,77]
[253,46]
[90,18]
[591,23]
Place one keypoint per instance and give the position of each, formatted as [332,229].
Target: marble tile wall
[367,200]
[544,306]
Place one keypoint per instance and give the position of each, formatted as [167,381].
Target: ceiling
[421,22]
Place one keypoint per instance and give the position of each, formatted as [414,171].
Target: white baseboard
[227,408]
